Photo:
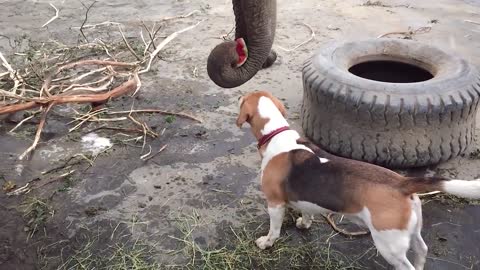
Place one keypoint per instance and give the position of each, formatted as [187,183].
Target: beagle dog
[297,173]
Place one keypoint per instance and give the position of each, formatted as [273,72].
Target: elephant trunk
[231,64]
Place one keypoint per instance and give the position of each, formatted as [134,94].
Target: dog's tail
[462,188]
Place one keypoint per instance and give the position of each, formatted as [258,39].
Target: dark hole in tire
[390,71]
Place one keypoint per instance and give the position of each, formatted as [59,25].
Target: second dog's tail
[462,188]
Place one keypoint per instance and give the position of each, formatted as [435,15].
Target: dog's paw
[264,242]
[302,224]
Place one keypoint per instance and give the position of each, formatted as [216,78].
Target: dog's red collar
[266,138]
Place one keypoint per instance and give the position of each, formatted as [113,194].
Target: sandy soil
[209,169]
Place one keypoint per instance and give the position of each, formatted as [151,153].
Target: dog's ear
[244,114]
[279,105]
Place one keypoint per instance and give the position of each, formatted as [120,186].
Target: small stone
[441,239]
[150,198]
[93,211]
[333,28]
[142,205]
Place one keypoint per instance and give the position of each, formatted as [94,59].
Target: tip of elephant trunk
[242,51]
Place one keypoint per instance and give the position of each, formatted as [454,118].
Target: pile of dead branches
[58,74]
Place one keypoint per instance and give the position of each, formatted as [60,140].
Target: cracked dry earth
[209,172]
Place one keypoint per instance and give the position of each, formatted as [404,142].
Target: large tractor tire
[395,103]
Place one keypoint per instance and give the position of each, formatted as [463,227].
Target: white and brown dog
[297,173]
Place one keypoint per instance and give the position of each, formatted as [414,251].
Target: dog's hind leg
[419,247]
[393,245]
[276,214]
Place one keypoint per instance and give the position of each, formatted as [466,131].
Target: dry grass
[36,212]
[237,250]
[95,251]
[449,200]
[136,256]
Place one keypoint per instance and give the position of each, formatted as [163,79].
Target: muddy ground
[202,190]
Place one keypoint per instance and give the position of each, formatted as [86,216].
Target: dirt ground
[197,204]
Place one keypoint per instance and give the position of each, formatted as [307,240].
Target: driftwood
[123,89]
[76,86]
[72,88]
[342,231]
[49,102]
